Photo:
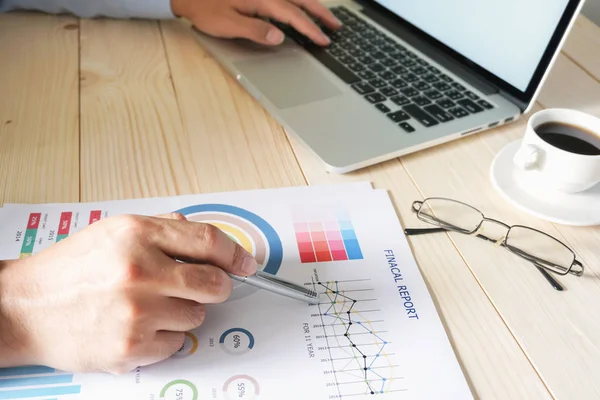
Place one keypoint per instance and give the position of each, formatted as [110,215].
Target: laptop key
[420,115]
[485,104]
[410,92]
[446,78]
[410,77]
[458,87]
[434,69]
[382,107]
[458,112]
[388,62]
[399,69]
[356,52]
[388,75]
[398,56]
[422,86]
[388,91]
[365,59]
[398,116]
[471,95]
[470,106]
[387,48]
[454,94]
[441,86]
[356,67]
[376,67]
[399,84]
[332,64]
[375,97]
[430,78]
[419,70]
[439,113]
[366,75]
[346,59]
[422,62]
[433,94]
[377,83]
[400,100]
[408,63]
[421,100]
[378,55]
[407,127]
[363,88]
[446,103]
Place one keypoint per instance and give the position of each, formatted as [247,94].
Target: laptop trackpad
[288,79]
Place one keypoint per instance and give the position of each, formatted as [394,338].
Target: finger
[319,11]
[174,215]
[201,283]
[290,14]
[177,315]
[235,25]
[204,243]
[164,345]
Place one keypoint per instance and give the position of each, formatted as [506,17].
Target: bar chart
[325,234]
[36,382]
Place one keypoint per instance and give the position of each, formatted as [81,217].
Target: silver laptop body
[351,114]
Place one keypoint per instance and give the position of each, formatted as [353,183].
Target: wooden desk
[99,110]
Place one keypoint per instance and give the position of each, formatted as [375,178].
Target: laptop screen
[506,37]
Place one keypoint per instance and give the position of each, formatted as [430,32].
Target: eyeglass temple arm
[423,231]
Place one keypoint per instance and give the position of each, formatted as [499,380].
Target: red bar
[95,216]
[65,223]
[323,255]
[339,255]
[34,220]
[307,257]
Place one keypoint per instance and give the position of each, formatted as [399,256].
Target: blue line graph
[357,348]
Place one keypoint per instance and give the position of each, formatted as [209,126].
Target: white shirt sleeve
[151,9]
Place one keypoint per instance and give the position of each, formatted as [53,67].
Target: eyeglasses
[545,252]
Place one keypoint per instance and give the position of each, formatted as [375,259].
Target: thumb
[257,30]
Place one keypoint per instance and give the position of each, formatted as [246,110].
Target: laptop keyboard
[389,76]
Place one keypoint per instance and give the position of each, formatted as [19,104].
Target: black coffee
[570,138]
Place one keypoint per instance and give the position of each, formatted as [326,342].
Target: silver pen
[280,286]
[272,283]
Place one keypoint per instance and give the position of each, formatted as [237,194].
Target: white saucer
[516,186]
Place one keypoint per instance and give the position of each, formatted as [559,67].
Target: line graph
[355,341]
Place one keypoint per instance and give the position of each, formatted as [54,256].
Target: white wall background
[591,9]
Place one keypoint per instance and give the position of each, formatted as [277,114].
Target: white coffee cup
[552,167]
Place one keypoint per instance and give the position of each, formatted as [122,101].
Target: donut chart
[247,229]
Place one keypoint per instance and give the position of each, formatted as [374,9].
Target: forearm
[14,350]
[152,9]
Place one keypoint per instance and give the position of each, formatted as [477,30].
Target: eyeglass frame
[499,242]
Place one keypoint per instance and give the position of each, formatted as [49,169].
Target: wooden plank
[132,141]
[561,343]
[236,144]
[493,362]
[39,126]
[583,44]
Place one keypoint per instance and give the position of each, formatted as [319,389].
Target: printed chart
[375,331]
[355,339]
[40,231]
[36,382]
[325,234]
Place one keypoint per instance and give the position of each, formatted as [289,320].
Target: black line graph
[355,340]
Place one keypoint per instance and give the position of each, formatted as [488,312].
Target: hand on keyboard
[244,18]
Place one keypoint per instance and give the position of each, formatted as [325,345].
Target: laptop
[401,76]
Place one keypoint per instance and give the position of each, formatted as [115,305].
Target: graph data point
[376,355]
[319,283]
[372,392]
[336,281]
[353,345]
[358,322]
[364,356]
[384,342]
[365,368]
[384,379]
